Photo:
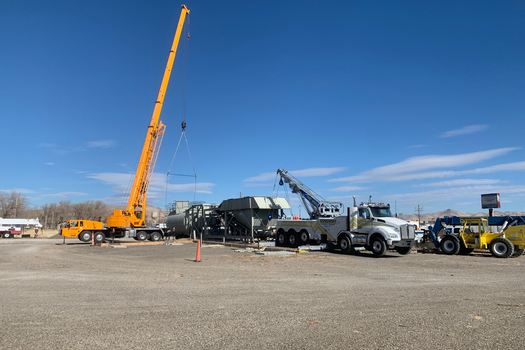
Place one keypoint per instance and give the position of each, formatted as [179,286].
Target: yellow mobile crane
[131,221]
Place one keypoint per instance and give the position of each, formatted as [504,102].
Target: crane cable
[184,79]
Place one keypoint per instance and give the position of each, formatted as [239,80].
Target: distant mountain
[431,217]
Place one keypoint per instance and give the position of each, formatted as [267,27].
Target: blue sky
[413,102]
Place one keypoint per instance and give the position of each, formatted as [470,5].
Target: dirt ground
[155,297]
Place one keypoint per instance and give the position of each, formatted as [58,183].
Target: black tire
[100,237]
[345,244]
[303,237]
[501,248]
[377,246]
[449,245]
[403,250]
[85,236]
[280,238]
[155,236]
[292,238]
[6,235]
[141,236]
[464,250]
[518,252]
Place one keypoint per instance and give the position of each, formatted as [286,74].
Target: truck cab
[81,229]
[371,223]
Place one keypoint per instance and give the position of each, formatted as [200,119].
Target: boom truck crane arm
[135,213]
[315,205]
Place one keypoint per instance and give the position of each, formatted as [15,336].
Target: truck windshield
[381,212]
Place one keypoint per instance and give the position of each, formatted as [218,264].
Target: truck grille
[407,231]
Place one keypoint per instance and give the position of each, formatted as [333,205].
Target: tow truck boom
[315,205]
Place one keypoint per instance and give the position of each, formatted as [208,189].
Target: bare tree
[12,205]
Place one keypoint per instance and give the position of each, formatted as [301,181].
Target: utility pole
[419,209]
[395,207]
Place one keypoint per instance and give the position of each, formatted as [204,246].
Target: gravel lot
[156,297]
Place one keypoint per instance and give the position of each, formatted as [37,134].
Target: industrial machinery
[369,225]
[474,233]
[131,220]
[243,218]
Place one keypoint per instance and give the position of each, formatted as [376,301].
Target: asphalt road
[156,297]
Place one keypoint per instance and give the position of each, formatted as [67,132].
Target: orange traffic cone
[198,254]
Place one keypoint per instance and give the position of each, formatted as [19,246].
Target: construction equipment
[131,220]
[243,218]
[369,225]
[315,205]
[474,233]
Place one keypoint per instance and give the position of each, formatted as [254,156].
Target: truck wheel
[345,245]
[464,250]
[99,237]
[501,247]
[403,250]
[85,236]
[155,237]
[6,235]
[449,245]
[292,238]
[142,236]
[280,239]
[518,252]
[304,237]
[378,246]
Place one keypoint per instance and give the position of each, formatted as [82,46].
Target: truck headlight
[393,235]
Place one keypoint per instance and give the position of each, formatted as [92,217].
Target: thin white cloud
[466,130]
[419,145]
[19,190]
[308,172]
[100,144]
[261,177]
[348,188]
[58,149]
[64,194]
[122,181]
[411,168]
[462,182]
[449,194]
[49,163]
[311,172]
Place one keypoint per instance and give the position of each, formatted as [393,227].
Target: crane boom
[134,214]
[315,205]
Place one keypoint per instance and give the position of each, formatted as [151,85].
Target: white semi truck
[368,225]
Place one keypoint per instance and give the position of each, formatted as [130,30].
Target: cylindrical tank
[176,224]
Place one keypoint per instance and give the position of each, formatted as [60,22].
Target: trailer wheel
[501,248]
[85,236]
[155,236]
[280,239]
[344,244]
[292,238]
[403,250]
[378,246]
[304,237]
[100,237]
[449,245]
[518,252]
[142,236]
